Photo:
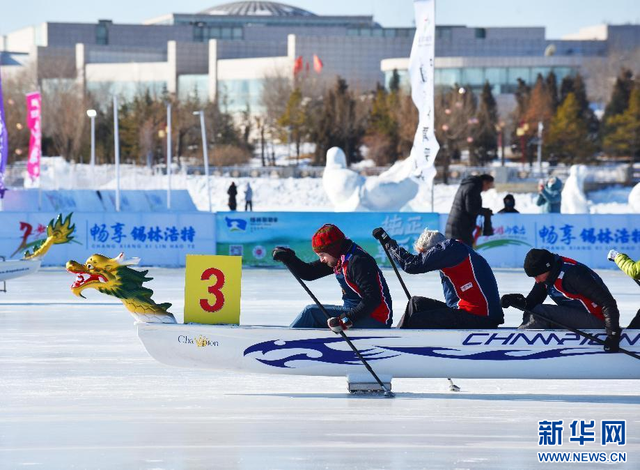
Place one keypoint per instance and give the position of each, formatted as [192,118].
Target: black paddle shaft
[395,268]
[575,330]
[387,392]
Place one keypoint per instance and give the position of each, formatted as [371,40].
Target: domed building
[228,50]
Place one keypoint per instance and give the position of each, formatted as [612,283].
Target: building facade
[228,50]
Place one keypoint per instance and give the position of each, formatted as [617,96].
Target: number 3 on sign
[212,289]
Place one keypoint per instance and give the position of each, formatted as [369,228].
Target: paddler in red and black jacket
[365,294]
[582,298]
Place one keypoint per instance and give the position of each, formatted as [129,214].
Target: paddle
[452,387]
[574,330]
[387,393]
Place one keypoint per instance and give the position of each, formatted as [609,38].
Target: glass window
[443,33]
[472,76]
[226,33]
[237,33]
[198,34]
[481,33]
[352,32]
[447,77]
[102,34]
[376,32]
[214,32]
[495,75]
[544,71]
[365,32]
[518,72]
[562,72]
[390,33]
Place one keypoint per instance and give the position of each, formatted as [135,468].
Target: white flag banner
[421,71]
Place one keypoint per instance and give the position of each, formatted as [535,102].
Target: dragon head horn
[126,262]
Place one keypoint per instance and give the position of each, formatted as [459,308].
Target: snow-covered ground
[78,390]
[304,194]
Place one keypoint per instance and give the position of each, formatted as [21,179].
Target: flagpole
[116,142]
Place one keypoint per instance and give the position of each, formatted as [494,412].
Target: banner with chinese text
[158,239]
[4,143]
[34,113]
[254,235]
[421,71]
[587,238]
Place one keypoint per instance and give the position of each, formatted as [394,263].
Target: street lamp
[92,115]
[205,154]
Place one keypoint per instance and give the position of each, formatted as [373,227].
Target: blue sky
[560,17]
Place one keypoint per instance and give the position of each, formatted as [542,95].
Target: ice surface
[78,390]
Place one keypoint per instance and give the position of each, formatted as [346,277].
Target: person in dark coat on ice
[582,299]
[232,192]
[365,294]
[470,288]
[509,205]
[467,206]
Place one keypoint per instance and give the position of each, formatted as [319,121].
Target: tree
[340,122]
[568,131]
[551,83]
[293,121]
[623,137]
[485,134]
[394,83]
[619,101]
[382,132]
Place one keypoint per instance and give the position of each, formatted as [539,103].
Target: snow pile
[634,199]
[574,200]
[348,191]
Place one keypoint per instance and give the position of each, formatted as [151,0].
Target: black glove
[612,343]
[283,254]
[338,324]
[384,238]
[513,300]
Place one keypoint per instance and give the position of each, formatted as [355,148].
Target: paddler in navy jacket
[582,299]
[470,288]
[365,295]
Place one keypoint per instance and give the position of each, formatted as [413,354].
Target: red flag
[298,66]
[317,64]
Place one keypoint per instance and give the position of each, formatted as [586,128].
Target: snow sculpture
[348,191]
[634,199]
[574,200]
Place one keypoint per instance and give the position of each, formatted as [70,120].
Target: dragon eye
[89,266]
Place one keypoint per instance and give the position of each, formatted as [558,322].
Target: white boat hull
[503,353]
[12,269]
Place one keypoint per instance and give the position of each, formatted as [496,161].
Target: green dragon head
[113,276]
[59,231]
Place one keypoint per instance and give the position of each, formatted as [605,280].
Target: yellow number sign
[212,289]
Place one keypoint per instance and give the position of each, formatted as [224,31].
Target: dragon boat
[504,353]
[59,231]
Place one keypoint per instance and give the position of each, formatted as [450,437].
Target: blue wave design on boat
[327,354]
[493,355]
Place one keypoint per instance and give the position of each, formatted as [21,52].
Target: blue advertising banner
[587,238]
[158,239]
[254,235]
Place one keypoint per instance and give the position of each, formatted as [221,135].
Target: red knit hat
[328,239]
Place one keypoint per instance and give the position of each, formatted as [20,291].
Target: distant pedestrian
[248,198]
[509,205]
[550,196]
[467,206]
[232,192]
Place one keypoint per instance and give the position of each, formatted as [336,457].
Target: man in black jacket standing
[365,294]
[582,299]
[467,206]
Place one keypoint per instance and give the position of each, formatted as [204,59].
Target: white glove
[612,255]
